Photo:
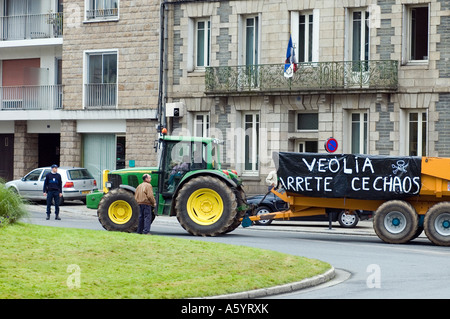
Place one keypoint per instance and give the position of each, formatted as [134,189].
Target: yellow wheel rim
[120,212]
[205,206]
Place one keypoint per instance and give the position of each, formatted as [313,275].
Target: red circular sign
[331,145]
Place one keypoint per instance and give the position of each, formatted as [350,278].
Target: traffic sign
[331,145]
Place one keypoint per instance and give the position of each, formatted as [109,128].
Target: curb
[281,289]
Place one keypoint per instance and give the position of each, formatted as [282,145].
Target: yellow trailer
[416,203]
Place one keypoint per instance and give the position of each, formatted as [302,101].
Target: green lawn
[45,262]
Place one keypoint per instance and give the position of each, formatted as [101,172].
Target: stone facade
[140,138]
[71,140]
[25,150]
[423,86]
[135,37]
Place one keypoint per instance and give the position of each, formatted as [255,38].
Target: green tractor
[189,183]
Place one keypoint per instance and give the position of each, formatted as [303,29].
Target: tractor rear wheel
[437,224]
[396,222]
[206,206]
[240,197]
[118,211]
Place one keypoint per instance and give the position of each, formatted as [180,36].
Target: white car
[77,182]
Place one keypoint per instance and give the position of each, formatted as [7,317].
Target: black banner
[349,175]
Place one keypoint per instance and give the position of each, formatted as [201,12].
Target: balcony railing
[100,95]
[33,97]
[101,13]
[31,26]
[314,76]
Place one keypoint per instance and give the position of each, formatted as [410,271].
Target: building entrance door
[7,158]
[49,151]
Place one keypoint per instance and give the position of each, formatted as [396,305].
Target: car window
[77,174]
[33,175]
[46,171]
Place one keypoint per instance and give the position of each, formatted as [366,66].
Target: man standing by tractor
[146,201]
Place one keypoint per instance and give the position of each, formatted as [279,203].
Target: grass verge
[51,262]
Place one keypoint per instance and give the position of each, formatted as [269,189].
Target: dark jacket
[52,182]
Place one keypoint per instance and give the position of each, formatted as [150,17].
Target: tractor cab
[180,157]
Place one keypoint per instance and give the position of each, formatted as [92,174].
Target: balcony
[33,97]
[320,77]
[100,96]
[31,26]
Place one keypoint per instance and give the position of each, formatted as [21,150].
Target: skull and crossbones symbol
[401,166]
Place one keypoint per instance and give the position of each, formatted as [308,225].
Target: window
[248,51]
[307,146]
[251,143]
[416,34]
[34,175]
[176,163]
[305,35]
[359,36]
[417,134]
[79,174]
[359,132]
[251,40]
[101,80]
[102,9]
[307,122]
[46,171]
[201,125]
[357,44]
[199,155]
[203,34]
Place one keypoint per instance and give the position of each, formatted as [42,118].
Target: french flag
[290,65]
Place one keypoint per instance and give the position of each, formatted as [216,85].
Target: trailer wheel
[118,211]
[395,222]
[348,219]
[206,206]
[437,224]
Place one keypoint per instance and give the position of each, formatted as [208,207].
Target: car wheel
[348,219]
[261,210]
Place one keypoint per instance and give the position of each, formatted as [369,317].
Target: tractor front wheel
[206,206]
[118,211]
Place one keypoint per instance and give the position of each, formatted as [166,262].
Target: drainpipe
[162,59]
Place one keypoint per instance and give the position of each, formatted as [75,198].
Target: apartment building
[78,84]
[372,74]
[30,79]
